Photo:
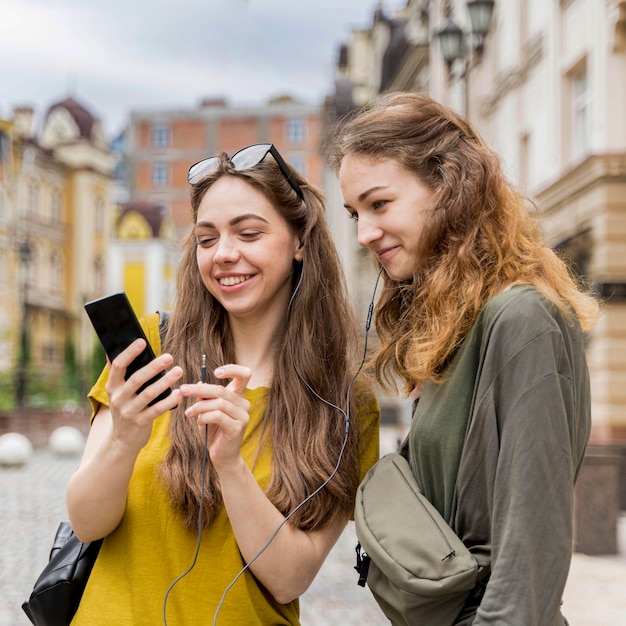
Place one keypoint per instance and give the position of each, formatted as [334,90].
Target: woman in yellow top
[262,295]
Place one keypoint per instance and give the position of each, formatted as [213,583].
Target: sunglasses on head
[243,160]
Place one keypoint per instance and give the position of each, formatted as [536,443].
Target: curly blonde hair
[481,236]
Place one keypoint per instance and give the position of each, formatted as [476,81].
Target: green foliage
[97,362]
[7,391]
[72,375]
[56,389]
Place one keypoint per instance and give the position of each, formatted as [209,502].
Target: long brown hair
[481,235]
[306,434]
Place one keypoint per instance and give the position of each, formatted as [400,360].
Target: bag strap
[164,319]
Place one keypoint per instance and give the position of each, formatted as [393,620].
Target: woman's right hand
[97,493]
[132,418]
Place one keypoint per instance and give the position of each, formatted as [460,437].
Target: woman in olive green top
[285,434]
[482,324]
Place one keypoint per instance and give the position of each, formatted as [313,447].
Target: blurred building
[548,94]
[546,88]
[143,249]
[162,145]
[9,285]
[391,54]
[55,209]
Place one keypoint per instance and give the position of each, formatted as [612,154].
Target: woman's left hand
[224,410]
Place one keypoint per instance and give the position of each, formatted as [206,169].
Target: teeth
[229,281]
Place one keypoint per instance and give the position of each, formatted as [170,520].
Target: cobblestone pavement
[32,503]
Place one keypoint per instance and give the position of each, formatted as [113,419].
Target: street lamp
[453,41]
[480,12]
[25,254]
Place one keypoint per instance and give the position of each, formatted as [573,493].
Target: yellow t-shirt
[152,547]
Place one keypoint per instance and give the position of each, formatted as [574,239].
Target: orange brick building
[161,145]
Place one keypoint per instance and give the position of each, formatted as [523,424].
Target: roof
[153,213]
[83,118]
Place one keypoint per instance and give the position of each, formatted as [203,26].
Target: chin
[398,275]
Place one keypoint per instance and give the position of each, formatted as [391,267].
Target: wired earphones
[201,504]
[288,516]
[345,413]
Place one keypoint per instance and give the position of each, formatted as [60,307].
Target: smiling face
[391,205]
[245,251]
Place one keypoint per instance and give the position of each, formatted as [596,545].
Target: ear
[299,252]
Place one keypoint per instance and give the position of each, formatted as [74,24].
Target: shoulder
[368,420]
[523,312]
[151,326]
[519,302]
[528,336]
[364,395]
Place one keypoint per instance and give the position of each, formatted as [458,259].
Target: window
[56,272]
[99,215]
[297,161]
[56,209]
[33,200]
[160,174]
[31,267]
[295,131]
[160,136]
[580,115]
[98,275]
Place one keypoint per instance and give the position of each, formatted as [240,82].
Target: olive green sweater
[497,448]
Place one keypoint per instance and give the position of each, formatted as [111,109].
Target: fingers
[240,377]
[147,383]
[217,404]
[239,374]
[214,402]
[124,359]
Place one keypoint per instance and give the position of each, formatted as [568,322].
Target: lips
[383,252]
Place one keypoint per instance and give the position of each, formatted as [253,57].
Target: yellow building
[142,252]
[56,230]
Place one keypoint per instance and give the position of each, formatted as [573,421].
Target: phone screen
[117,326]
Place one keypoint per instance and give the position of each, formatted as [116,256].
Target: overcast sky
[116,56]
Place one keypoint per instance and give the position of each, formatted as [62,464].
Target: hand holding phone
[117,326]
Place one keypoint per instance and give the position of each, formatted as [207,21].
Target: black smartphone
[117,326]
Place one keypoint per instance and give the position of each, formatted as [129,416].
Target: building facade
[143,249]
[392,53]
[55,227]
[546,88]
[548,94]
[162,145]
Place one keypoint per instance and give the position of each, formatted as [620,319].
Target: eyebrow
[234,221]
[367,192]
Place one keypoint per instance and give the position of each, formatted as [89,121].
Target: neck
[255,346]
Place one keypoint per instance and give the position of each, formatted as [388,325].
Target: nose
[226,250]
[367,232]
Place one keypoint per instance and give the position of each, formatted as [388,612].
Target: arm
[291,561]
[96,493]
[532,489]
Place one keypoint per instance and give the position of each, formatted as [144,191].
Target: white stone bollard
[15,450]
[66,441]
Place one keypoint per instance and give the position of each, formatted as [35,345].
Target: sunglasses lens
[250,156]
[201,169]
[245,159]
